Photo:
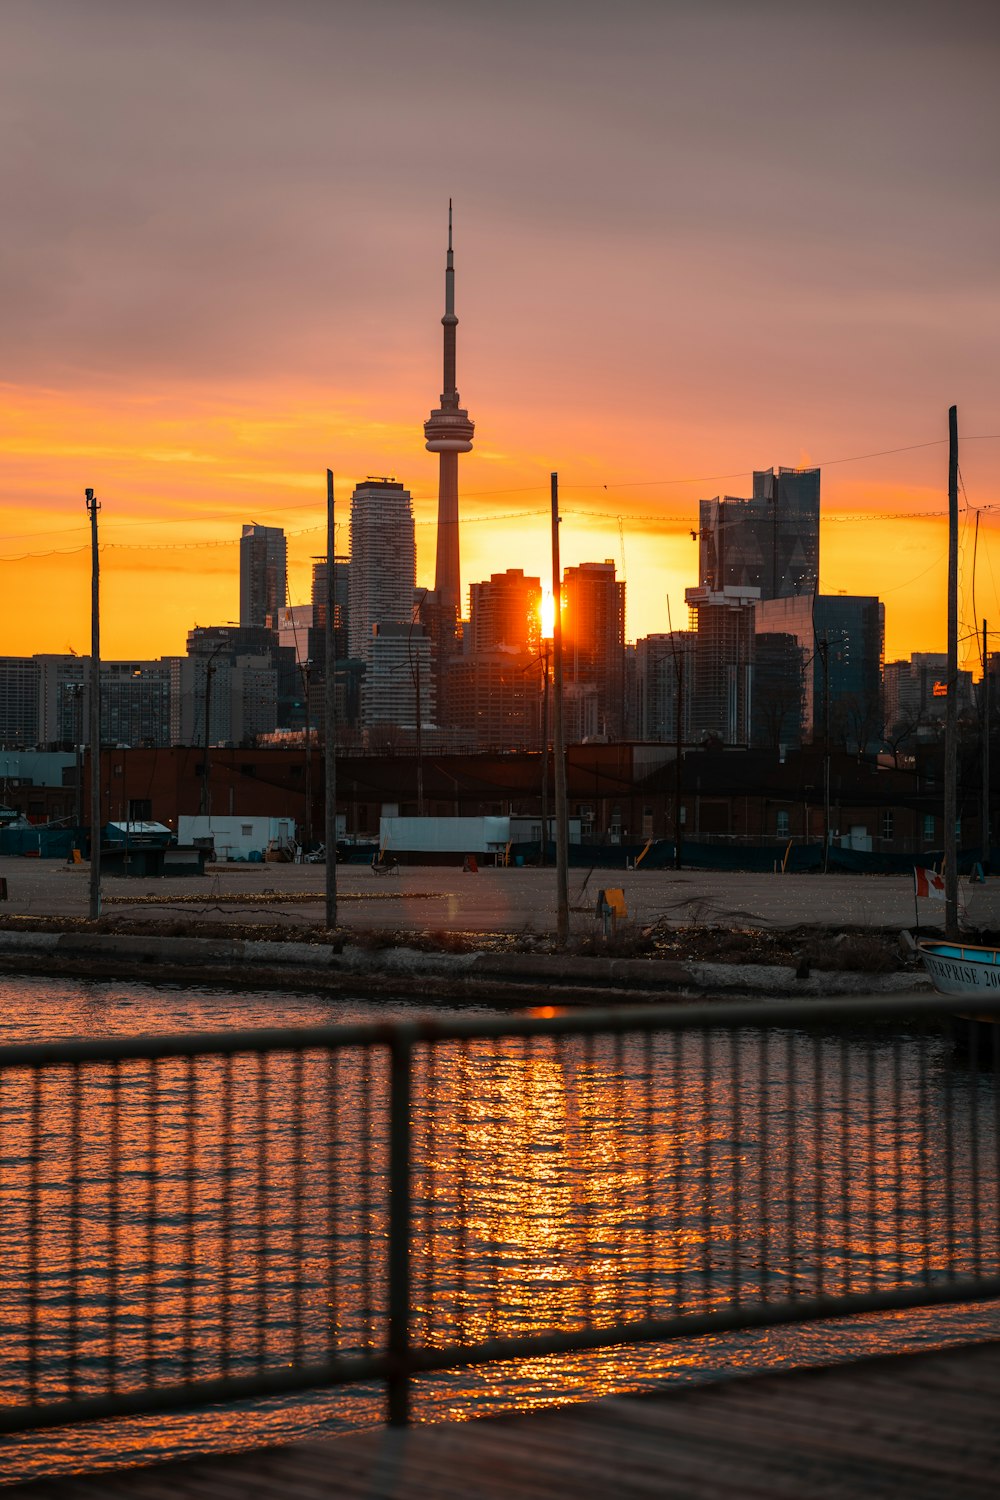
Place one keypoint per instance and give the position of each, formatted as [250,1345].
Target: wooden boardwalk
[924,1426]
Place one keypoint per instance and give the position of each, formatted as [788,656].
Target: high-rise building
[263,569]
[63,683]
[383,561]
[915,692]
[776,718]
[664,682]
[19,678]
[769,542]
[841,637]
[495,700]
[382,576]
[398,686]
[448,432]
[293,625]
[505,611]
[341,596]
[238,692]
[723,663]
[593,625]
[136,701]
[228,666]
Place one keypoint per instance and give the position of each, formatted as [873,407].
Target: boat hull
[963,969]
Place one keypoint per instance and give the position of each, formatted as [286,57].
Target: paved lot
[440,898]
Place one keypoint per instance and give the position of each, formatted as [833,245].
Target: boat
[963,969]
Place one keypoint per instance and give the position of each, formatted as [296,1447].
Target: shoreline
[495,978]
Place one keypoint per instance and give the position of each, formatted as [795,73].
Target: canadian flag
[928,883]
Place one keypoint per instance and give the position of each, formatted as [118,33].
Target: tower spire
[448,432]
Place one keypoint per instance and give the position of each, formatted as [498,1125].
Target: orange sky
[219,283]
[177,477]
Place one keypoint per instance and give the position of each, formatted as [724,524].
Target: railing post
[400,1089]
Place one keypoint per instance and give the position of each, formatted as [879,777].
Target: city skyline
[207,303]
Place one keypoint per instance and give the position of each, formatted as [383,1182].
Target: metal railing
[204,1218]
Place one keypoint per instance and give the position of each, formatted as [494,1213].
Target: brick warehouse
[623,794]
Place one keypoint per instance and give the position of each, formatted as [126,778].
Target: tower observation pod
[448,432]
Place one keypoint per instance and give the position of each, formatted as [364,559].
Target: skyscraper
[383,565]
[493,690]
[769,542]
[382,632]
[842,640]
[594,640]
[664,681]
[504,611]
[723,662]
[263,560]
[448,432]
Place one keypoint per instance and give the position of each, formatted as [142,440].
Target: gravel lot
[437,898]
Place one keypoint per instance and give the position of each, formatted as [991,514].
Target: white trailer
[488,835]
[236,838]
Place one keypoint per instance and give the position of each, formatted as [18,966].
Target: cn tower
[448,432]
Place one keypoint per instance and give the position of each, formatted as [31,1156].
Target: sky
[691,240]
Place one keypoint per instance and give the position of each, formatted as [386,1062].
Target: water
[554,1184]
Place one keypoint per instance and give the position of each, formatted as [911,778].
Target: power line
[539,489]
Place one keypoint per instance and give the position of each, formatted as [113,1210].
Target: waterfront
[554,1182]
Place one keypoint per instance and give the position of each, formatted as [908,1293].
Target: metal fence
[196,1219]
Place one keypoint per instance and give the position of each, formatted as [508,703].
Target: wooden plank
[883,1428]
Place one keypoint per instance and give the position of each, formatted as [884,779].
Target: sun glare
[547,613]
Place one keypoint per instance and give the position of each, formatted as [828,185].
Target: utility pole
[825,658]
[307,830]
[418,707]
[678,753]
[986,755]
[330,715]
[558,735]
[543,847]
[205,807]
[95,711]
[951,705]
[420,740]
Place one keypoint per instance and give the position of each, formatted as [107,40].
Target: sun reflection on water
[556,1183]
